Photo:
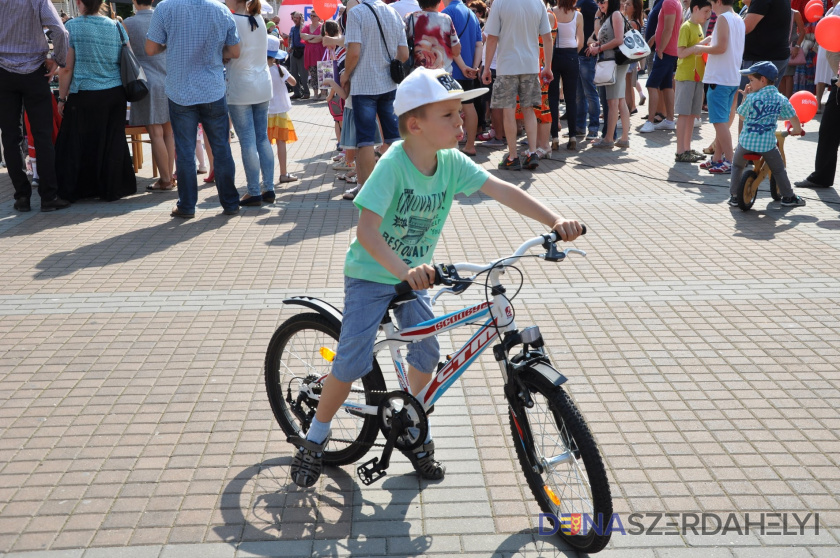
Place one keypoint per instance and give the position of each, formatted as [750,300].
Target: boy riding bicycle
[404,205]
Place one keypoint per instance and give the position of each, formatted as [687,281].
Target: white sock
[318,431]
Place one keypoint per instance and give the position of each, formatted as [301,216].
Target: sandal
[351,193]
[624,144]
[486,136]
[709,150]
[424,462]
[307,462]
[659,117]
[159,186]
[286,178]
[210,177]
[352,179]
[468,154]
[543,153]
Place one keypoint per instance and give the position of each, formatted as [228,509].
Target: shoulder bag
[131,73]
[634,46]
[605,72]
[397,69]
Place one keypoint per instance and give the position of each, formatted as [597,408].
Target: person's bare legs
[509,116]
[685,125]
[786,87]
[366,160]
[668,99]
[281,157]
[629,93]
[723,141]
[160,153]
[497,122]
[820,91]
[624,112]
[544,136]
[653,106]
[208,150]
[529,119]
[612,120]
[470,127]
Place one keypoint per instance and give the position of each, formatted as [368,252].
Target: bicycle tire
[556,421]
[293,356]
[747,191]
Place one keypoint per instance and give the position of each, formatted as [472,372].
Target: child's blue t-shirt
[761,111]
[413,208]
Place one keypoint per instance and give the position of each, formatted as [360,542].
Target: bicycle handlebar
[789,127]
[552,237]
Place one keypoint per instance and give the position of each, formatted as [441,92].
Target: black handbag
[131,73]
[397,69]
[297,52]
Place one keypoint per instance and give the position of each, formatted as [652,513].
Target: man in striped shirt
[26,66]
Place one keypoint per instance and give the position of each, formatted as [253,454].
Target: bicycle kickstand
[375,469]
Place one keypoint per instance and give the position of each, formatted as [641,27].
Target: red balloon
[814,11]
[325,8]
[805,105]
[828,33]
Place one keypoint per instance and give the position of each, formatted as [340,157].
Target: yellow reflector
[552,496]
[328,354]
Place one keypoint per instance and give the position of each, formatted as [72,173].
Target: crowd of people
[533,56]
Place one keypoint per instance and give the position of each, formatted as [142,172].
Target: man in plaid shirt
[763,106]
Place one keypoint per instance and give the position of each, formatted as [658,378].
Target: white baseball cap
[424,86]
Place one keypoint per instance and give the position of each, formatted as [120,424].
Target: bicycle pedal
[370,472]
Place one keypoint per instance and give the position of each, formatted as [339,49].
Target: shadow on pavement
[261,508]
[528,543]
[765,224]
[131,245]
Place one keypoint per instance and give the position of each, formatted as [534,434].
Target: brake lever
[440,292]
[552,254]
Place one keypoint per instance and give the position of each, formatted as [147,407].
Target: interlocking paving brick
[700,343]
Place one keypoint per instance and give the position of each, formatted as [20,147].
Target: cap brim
[746,72]
[471,94]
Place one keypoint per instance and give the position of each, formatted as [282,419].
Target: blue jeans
[214,119]
[587,96]
[251,125]
[365,110]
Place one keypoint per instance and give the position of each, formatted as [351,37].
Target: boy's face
[441,124]
[757,82]
[701,15]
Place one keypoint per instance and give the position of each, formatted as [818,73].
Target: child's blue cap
[273,46]
[766,69]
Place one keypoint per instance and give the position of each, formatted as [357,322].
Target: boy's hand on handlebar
[420,277]
[567,230]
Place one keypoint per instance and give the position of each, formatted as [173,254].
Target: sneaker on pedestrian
[733,201]
[54,204]
[698,156]
[724,167]
[808,184]
[665,125]
[495,142]
[647,127]
[708,164]
[532,161]
[792,201]
[685,157]
[508,164]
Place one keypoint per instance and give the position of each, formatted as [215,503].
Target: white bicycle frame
[499,314]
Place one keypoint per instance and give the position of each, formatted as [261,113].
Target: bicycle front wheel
[299,355]
[573,479]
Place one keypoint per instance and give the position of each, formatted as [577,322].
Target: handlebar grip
[582,232]
[404,287]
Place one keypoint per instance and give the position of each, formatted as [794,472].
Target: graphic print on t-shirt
[415,218]
[434,37]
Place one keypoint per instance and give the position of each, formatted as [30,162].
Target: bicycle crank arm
[375,469]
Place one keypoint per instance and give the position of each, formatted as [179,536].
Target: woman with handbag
[152,111]
[249,91]
[91,153]
[610,36]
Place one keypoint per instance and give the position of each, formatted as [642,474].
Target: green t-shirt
[690,68]
[413,208]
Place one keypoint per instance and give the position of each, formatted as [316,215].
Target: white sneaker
[665,125]
[698,122]
[648,127]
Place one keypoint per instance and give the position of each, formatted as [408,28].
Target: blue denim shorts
[662,74]
[365,303]
[719,99]
[365,110]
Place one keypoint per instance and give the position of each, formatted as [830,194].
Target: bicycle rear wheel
[573,479]
[300,353]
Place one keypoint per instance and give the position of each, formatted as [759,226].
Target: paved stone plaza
[701,343]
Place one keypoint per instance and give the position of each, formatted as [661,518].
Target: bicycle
[554,445]
[748,188]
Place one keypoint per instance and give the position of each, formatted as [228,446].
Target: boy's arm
[420,277]
[721,40]
[507,194]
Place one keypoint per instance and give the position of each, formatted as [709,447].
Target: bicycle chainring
[413,435]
